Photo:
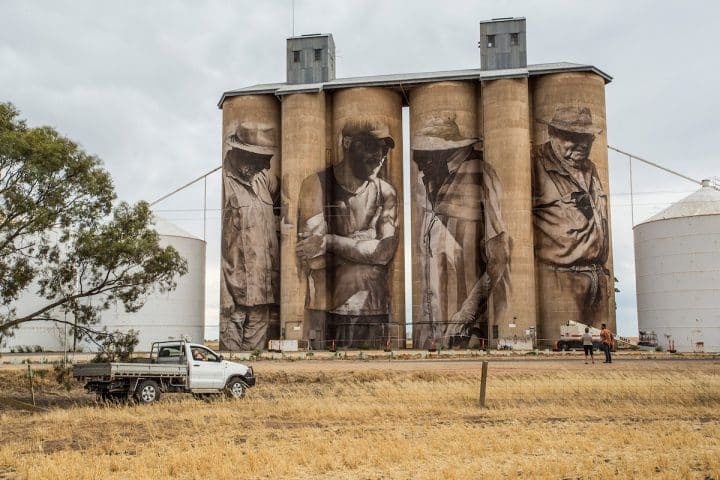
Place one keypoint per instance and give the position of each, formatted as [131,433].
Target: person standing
[348,234]
[250,279]
[587,342]
[607,341]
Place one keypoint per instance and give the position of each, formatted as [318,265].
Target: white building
[174,315]
[677,260]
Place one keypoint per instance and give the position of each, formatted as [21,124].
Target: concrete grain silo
[490,191]
[381,108]
[677,263]
[573,250]
[304,152]
[435,108]
[251,213]
[505,107]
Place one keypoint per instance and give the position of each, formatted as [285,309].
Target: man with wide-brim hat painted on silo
[570,217]
[348,234]
[464,248]
[250,287]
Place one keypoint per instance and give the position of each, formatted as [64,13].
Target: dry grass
[394,420]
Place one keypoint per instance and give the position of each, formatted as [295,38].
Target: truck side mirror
[221,358]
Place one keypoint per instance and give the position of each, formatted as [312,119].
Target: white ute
[174,366]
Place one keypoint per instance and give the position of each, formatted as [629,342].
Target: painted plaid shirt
[456,228]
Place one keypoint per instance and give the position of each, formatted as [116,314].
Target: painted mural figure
[570,212]
[250,252]
[465,250]
[348,234]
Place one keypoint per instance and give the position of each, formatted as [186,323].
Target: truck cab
[207,370]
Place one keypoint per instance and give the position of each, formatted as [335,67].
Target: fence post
[32,387]
[483,383]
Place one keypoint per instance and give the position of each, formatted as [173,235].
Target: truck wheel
[147,392]
[235,388]
[563,346]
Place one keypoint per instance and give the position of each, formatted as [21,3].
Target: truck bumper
[250,380]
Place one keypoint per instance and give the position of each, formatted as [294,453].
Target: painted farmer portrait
[464,246]
[250,252]
[347,236]
[570,215]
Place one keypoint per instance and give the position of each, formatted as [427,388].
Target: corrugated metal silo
[677,261]
[174,315]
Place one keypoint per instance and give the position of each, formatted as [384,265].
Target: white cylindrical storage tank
[169,316]
[677,262]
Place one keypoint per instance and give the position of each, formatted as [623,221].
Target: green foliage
[62,235]
[116,346]
[63,376]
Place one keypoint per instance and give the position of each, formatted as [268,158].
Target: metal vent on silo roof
[503,43]
[310,59]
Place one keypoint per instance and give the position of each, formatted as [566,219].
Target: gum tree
[63,237]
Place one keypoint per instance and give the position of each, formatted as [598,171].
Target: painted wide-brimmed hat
[254,137]
[573,119]
[441,133]
[375,130]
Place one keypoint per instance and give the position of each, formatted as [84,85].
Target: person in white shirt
[588,345]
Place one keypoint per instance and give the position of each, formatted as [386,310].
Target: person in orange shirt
[607,341]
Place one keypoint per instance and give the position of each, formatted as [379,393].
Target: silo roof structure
[167,229]
[705,201]
[677,257]
[401,80]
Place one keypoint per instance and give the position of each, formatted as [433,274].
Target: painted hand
[311,246]
[460,323]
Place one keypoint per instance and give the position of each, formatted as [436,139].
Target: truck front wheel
[147,392]
[235,388]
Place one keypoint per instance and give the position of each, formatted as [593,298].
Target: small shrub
[63,376]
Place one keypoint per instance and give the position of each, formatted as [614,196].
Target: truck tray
[116,370]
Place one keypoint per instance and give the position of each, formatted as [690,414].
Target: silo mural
[348,234]
[461,244]
[305,142]
[505,127]
[250,264]
[570,204]
[508,198]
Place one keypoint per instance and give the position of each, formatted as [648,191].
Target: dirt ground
[545,418]
[14,384]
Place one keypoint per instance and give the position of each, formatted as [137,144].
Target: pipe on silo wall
[250,246]
[366,301]
[304,152]
[506,135]
[571,212]
[446,171]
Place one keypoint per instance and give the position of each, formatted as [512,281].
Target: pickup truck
[173,366]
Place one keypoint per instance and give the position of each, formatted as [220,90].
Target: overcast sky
[137,83]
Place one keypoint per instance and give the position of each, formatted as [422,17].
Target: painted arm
[377,251]
[498,254]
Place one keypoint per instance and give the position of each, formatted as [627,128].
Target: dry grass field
[386,419]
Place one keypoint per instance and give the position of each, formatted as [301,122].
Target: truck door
[206,369]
